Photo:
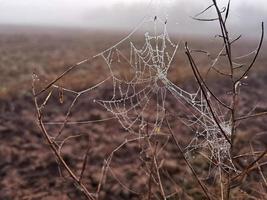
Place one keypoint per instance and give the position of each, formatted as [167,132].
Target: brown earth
[29,170]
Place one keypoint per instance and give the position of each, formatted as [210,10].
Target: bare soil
[28,168]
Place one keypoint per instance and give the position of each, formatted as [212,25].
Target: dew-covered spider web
[142,93]
[139,97]
[138,75]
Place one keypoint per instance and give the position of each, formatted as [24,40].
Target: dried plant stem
[221,183]
[151,168]
[150,182]
[251,116]
[235,82]
[202,87]
[256,55]
[158,173]
[62,75]
[187,162]
[250,166]
[84,162]
[51,143]
[258,166]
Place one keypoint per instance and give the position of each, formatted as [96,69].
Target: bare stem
[51,143]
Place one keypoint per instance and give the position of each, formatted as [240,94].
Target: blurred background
[45,37]
[126,14]
[73,30]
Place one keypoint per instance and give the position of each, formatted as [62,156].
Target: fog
[245,16]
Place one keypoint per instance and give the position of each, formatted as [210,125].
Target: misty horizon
[245,16]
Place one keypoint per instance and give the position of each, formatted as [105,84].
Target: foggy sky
[246,15]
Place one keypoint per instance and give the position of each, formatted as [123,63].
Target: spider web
[140,89]
[141,99]
[135,99]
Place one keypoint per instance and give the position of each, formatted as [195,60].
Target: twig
[256,55]
[158,174]
[204,10]
[62,75]
[202,80]
[204,93]
[251,116]
[85,162]
[227,11]
[186,161]
[54,149]
[245,171]
[258,166]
